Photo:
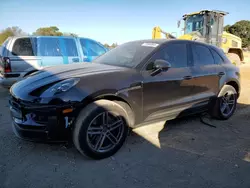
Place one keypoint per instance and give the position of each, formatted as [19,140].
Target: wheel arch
[111,96]
[237,51]
[234,84]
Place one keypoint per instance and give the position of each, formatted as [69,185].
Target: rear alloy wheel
[101,129]
[225,103]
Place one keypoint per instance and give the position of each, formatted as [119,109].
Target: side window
[71,49]
[217,58]
[23,47]
[91,48]
[202,55]
[175,54]
[49,47]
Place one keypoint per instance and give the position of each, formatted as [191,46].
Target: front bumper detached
[42,122]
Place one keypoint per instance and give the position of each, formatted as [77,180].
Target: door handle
[221,73]
[187,77]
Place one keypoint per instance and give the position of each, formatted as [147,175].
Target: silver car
[21,56]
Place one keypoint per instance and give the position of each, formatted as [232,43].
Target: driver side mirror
[160,65]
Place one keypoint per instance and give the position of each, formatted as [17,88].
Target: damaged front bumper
[42,122]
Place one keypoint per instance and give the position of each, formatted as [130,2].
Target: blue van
[21,56]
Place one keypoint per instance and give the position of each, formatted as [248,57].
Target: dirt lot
[247,57]
[184,153]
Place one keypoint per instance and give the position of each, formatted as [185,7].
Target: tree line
[240,29]
[110,46]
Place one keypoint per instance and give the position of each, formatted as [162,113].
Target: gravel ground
[181,153]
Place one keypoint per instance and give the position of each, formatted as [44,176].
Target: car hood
[56,73]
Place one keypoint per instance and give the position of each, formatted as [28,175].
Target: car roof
[165,41]
[67,37]
[157,41]
[162,41]
[41,36]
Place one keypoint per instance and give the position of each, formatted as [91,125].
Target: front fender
[231,77]
[133,97]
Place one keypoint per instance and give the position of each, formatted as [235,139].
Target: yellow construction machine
[207,26]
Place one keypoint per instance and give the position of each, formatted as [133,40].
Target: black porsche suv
[135,83]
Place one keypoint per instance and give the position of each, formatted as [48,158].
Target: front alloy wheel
[101,129]
[105,131]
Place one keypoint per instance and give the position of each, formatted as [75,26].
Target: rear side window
[202,55]
[217,58]
[23,47]
[175,54]
[91,48]
[49,47]
[71,49]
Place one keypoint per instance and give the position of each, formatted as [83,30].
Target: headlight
[60,87]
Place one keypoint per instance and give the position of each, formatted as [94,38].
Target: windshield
[127,55]
[194,23]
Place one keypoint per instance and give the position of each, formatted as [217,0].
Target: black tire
[81,137]
[217,111]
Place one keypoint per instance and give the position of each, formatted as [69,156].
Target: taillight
[6,64]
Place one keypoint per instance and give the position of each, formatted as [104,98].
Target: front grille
[40,118]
